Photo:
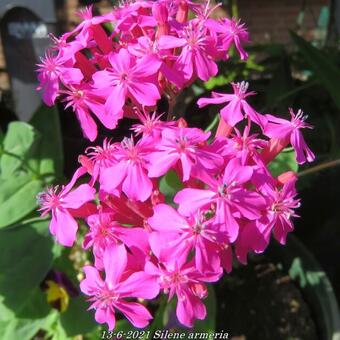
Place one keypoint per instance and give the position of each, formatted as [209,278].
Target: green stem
[213,124]
[234,9]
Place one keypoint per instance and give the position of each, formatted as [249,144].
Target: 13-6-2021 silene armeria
[166,334]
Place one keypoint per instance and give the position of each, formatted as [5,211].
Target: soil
[258,301]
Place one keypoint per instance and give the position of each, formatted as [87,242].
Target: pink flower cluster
[229,203]
[131,57]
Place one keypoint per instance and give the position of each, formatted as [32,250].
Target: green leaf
[327,72]
[25,329]
[76,319]
[17,198]
[19,138]
[47,158]
[26,257]
[285,161]
[169,185]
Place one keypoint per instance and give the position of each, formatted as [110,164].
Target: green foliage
[17,142]
[26,257]
[30,159]
[169,185]
[76,319]
[285,161]
[47,159]
[326,71]
[17,197]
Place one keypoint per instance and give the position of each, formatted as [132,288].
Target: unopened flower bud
[286,177]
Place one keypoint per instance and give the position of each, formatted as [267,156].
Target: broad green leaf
[285,161]
[26,257]
[56,331]
[19,139]
[47,157]
[17,198]
[327,72]
[36,315]
[77,319]
[24,329]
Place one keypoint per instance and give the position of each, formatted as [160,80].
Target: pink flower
[196,57]
[175,236]
[230,31]
[128,77]
[282,205]
[181,145]
[110,294]
[99,158]
[105,231]
[63,226]
[51,71]
[254,236]
[183,280]
[237,106]
[130,168]
[83,100]
[150,126]
[230,196]
[245,147]
[278,128]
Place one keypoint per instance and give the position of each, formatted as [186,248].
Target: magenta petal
[139,285]
[206,68]
[301,148]
[218,100]
[87,124]
[166,218]
[110,178]
[71,75]
[92,281]
[115,260]
[121,61]
[184,64]
[190,200]
[232,113]
[161,162]
[136,174]
[186,166]
[79,196]
[115,102]
[166,42]
[227,259]
[105,315]
[64,227]
[136,313]
[146,67]
[225,218]
[190,308]
[235,172]
[145,93]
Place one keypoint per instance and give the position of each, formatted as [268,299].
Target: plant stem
[320,167]
[213,124]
